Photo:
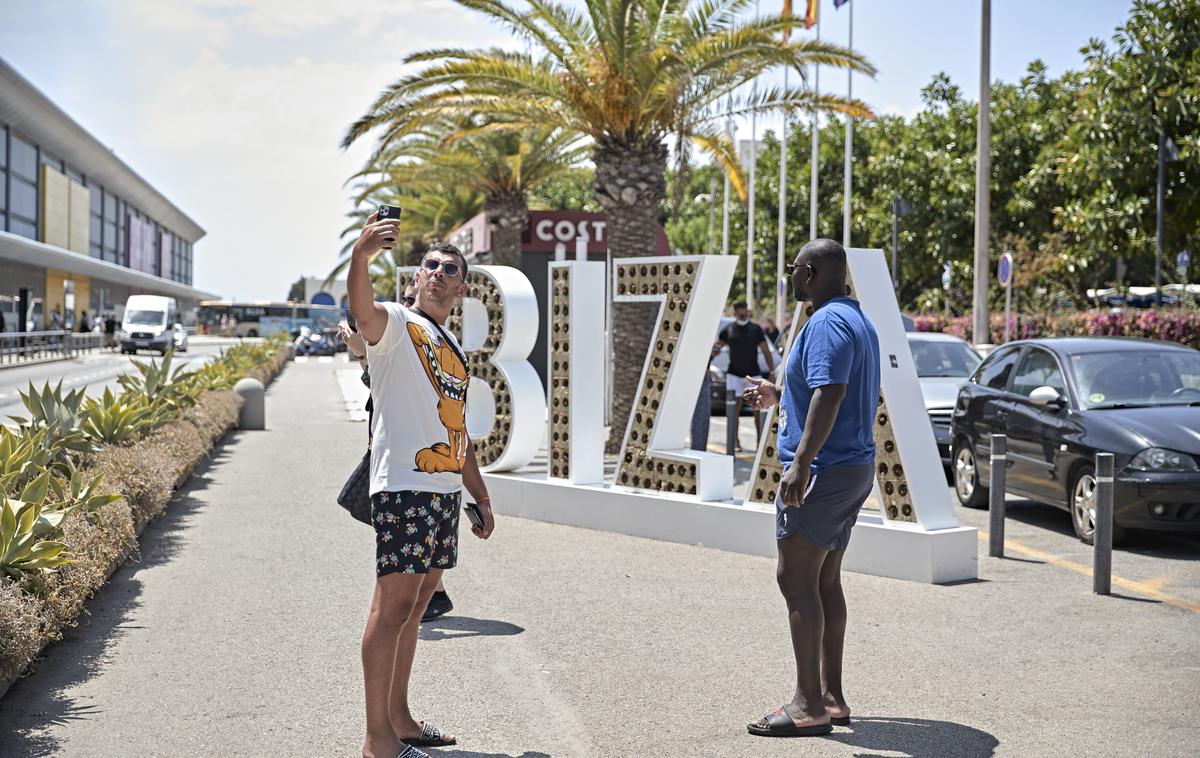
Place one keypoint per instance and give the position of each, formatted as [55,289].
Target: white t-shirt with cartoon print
[419,391]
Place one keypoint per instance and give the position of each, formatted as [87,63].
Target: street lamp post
[983,173]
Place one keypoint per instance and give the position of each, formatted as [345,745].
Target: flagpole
[846,196]
[729,129]
[780,288]
[814,167]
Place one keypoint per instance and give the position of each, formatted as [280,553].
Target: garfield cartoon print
[448,375]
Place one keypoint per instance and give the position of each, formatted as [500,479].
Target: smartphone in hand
[473,514]
[388,213]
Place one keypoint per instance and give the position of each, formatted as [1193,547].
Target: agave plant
[23,548]
[159,384]
[118,420]
[25,454]
[58,414]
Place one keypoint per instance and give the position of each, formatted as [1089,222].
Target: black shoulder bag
[355,496]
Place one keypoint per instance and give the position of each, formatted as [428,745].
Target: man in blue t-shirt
[829,395]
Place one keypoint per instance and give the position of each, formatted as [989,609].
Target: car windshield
[144,317]
[1137,377]
[943,358]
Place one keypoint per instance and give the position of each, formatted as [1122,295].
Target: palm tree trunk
[508,214]
[630,184]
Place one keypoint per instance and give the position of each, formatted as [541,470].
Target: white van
[148,324]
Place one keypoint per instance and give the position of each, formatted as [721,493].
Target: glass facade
[109,218]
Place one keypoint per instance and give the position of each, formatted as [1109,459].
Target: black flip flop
[412,752]
[430,736]
[780,724]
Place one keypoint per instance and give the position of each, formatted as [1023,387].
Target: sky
[234,109]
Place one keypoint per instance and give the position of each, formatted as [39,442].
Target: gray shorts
[830,507]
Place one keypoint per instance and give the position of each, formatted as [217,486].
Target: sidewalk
[237,634]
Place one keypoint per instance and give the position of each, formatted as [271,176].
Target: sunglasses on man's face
[791,268]
[408,300]
[449,267]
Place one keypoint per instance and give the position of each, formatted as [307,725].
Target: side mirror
[1048,397]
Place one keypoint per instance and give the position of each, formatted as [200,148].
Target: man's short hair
[740,304]
[447,249]
[825,251]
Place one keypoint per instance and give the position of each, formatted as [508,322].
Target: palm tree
[430,211]
[503,165]
[626,73]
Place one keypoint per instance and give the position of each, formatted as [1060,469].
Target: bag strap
[445,338]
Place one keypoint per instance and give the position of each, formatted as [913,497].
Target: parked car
[1061,401]
[943,364]
[720,364]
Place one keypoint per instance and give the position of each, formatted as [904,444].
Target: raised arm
[370,316]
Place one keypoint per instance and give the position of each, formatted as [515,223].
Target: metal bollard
[253,414]
[996,503]
[1102,535]
[731,422]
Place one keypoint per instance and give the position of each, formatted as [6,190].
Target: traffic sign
[1004,270]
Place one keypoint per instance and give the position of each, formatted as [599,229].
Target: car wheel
[966,477]
[1081,498]
[252,333]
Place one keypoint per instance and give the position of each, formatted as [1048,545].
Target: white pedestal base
[946,555]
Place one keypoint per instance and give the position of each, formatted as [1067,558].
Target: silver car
[943,364]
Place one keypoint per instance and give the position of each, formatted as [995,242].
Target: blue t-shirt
[838,345]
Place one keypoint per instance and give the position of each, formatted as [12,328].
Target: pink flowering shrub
[1174,325]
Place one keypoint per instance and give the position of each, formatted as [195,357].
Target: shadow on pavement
[38,703]
[915,738]
[1176,546]
[456,627]
[473,754]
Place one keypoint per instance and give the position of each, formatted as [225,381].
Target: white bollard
[254,412]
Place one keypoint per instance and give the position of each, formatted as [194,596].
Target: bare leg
[799,575]
[403,724]
[391,607]
[833,603]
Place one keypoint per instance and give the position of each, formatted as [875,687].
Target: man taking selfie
[421,456]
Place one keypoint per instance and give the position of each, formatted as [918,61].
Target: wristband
[484,499]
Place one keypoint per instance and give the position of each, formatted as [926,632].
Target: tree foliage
[1074,161]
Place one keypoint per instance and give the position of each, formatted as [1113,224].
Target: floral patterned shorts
[415,531]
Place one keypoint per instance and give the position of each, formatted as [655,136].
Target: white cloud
[235,109]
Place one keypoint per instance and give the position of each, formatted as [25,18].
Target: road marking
[1149,589]
[325,359]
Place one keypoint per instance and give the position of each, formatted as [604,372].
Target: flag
[810,14]
[839,3]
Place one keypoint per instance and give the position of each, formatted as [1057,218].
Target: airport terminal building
[79,229]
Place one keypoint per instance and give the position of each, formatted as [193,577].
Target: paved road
[95,370]
[236,634]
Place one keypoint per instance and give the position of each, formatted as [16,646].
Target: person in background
[746,340]
[769,328]
[85,325]
[830,391]
[110,329]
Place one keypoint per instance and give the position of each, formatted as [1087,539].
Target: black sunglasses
[449,267]
[408,300]
[790,268]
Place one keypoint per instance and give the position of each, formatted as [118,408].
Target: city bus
[260,318]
